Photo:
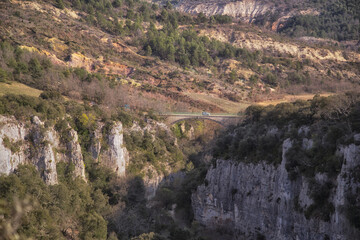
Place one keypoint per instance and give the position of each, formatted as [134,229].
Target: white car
[205,114]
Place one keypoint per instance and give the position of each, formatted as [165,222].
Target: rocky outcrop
[74,154]
[116,157]
[11,132]
[95,147]
[110,149]
[20,144]
[246,10]
[33,143]
[43,142]
[260,199]
[152,181]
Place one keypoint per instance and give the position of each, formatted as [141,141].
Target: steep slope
[117,61]
[335,19]
[247,10]
[290,171]
[73,166]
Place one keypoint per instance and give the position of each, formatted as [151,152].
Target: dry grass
[291,98]
[226,105]
[18,88]
[235,107]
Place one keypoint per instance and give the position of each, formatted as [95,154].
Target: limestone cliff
[112,153]
[260,200]
[43,143]
[35,144]
[40,145]
[14,132]
[74,154]
[246,10]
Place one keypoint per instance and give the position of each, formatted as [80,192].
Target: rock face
[19,145]
[110,149]
[117,156]
[74,154]
[13,131]
[152,182]
[43,142]
[33,143]
[260,200]
[246,10]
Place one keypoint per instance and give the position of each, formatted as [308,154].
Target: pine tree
[148,50]
[59,4]
[117,3]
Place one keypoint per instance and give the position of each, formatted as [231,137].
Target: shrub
[52,95]
[271,79]
[50,205]
[13,146]
[3,75]
[35,68]
[59,4]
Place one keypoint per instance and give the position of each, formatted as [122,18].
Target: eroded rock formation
[246,10]
[34,143]
[261,200]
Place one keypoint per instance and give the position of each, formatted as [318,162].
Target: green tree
[232,76]
[59,4]
[148,50]
[3,75]
[117,3]
[35,68]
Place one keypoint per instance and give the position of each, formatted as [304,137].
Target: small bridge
[222,119]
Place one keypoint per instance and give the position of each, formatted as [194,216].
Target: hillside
[289,171]
[335,19]
[116,50]
[109,126]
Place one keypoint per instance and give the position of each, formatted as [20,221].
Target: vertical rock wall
[260,199]
[15,132]
[114,155]
[33,143]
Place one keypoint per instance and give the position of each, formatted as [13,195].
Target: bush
[3,75]
[51,205]
[13,146]
[35,68]
[271,79]
[52,95]
[59,4]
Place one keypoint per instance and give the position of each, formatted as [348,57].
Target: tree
[59,4]
[232,76]
[170,52]
[201,18]
[148,50]
[117,3]
[35,68]
[3,75]
[271,79]
[164,15]
[168,5]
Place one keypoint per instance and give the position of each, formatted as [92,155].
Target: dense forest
[338,19]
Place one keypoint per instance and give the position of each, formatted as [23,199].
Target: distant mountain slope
[126,52]
[336,19]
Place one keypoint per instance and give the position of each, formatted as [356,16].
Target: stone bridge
[222,119]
